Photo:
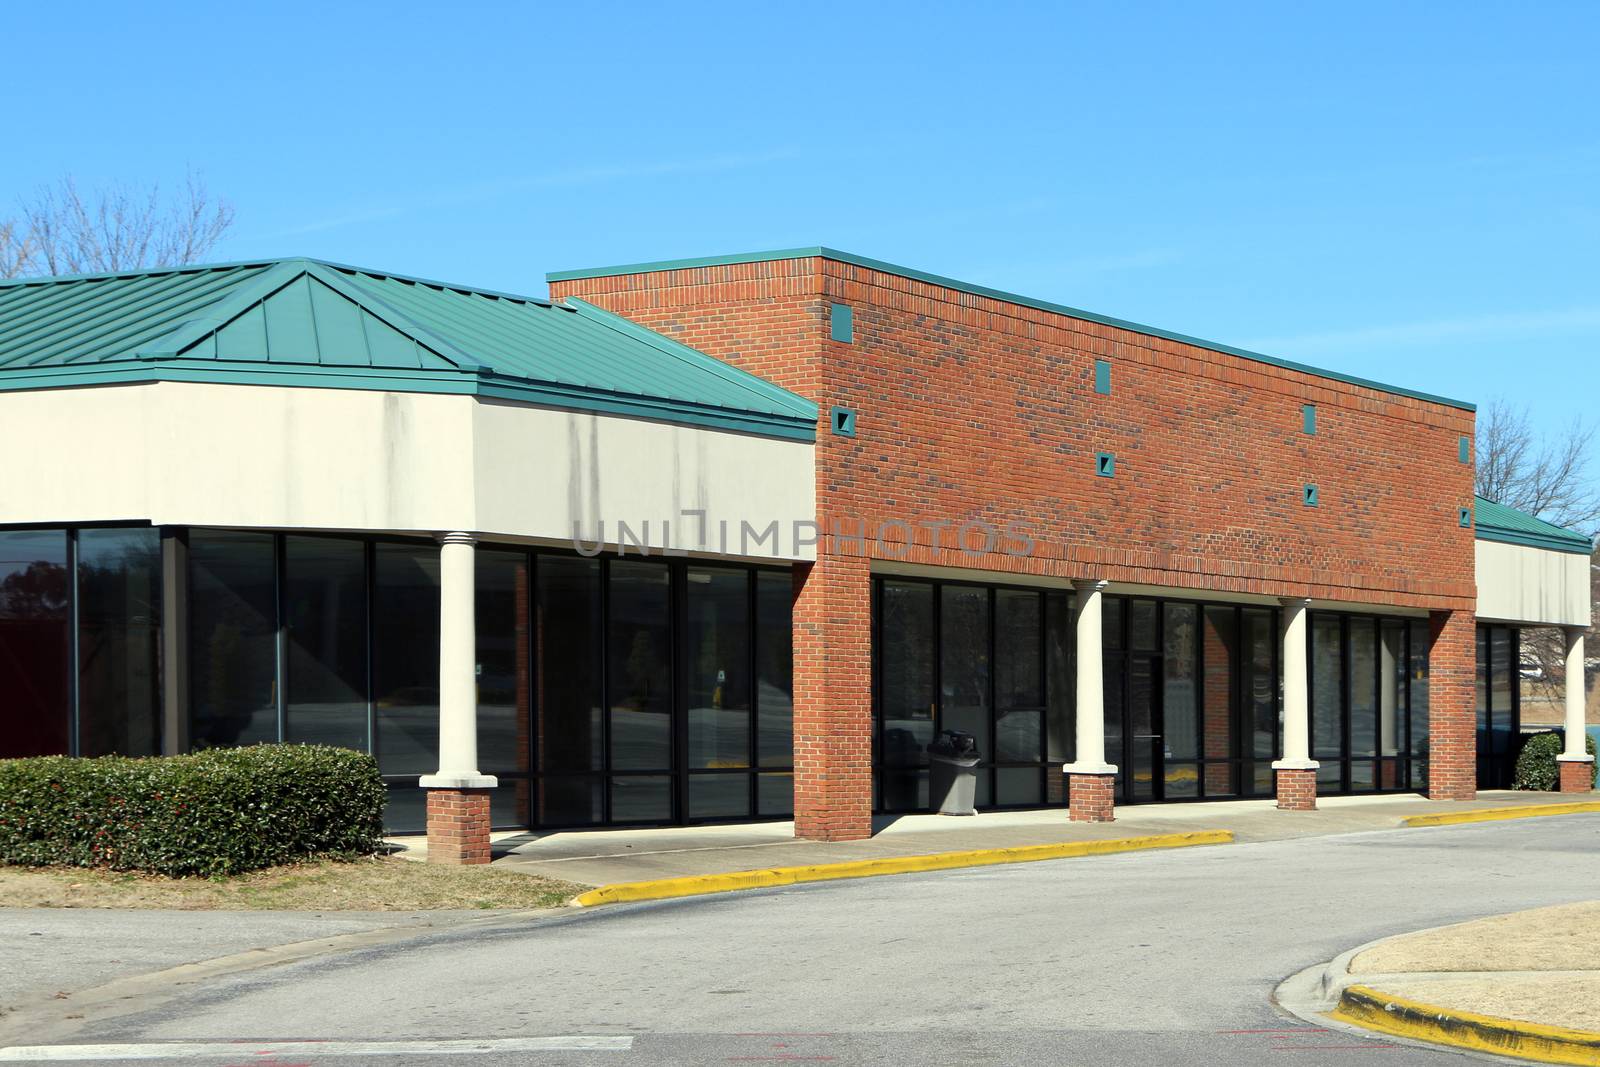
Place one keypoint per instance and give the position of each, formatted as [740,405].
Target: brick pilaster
[1091,797]
[1452,706]
[1576,777]
[1297,789]
[458,826]
[833,699]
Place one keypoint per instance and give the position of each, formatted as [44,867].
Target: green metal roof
[994,294]
[1496,522]
[309,323]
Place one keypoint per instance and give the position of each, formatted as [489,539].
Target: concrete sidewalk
[605,857]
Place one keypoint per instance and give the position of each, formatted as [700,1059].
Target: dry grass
[379,883]
[1558,938]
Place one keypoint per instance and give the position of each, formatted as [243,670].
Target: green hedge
[1536,763]
[217,812]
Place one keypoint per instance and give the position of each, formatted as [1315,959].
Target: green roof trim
[303,322]
[996,294]
[1496,522]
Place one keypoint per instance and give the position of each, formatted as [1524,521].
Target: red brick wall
[833,699]
[1452,706]
[972,408]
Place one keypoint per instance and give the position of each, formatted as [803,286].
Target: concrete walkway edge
[1386,1013]
[1532,811]
[697,885]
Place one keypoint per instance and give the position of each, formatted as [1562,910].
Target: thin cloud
[1438,331]
[575,176]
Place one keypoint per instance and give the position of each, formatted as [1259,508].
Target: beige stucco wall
[340,459]
[1532,586]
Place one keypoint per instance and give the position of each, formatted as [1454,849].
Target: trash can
[953,773]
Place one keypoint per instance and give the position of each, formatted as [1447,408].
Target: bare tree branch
[1547,476]
[62,230]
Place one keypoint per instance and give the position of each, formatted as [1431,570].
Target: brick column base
[1576,777]
[1091,797]
[458,826]
[1297,790]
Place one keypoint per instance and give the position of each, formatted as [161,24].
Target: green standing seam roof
[993,294]
[304,322]
[1496,522]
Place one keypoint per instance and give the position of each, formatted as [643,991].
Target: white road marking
[196,1050]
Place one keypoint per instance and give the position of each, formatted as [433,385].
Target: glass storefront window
[639,647]
[504,664]
[233,638]
[1180,695]
[569,667]
[405,657]
[774,673]
[34,648]
[1018,686]
[906,666]
[1060,725]
[964,663]
[325,631]
[717,667]
[1327,703]
[1417,691]
[1260,683]
[1392,688]
[1363,688]
[119,642]
[1220,650]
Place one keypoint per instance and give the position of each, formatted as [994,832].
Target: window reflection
[33,643]
[325,602]
[119,642]
[639,646]
[233,638]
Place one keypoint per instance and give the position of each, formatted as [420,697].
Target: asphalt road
[1158,957]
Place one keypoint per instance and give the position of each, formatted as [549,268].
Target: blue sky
[1407,192]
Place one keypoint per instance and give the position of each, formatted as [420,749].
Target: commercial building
[733,538]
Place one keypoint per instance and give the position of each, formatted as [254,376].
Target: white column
[458,670]
[1296,693]
[1091,708]
[1575,750]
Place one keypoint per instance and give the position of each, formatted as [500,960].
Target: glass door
[1133,677]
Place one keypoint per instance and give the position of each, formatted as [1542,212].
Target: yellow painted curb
[1527,811]
[663,888]
[1366,1007]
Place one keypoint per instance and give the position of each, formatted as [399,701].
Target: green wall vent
[1309,497]
[1105,464]
[1102,377]
[841,323]
[1464,449]
[1308,418]
[843,421]
[1466,518]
